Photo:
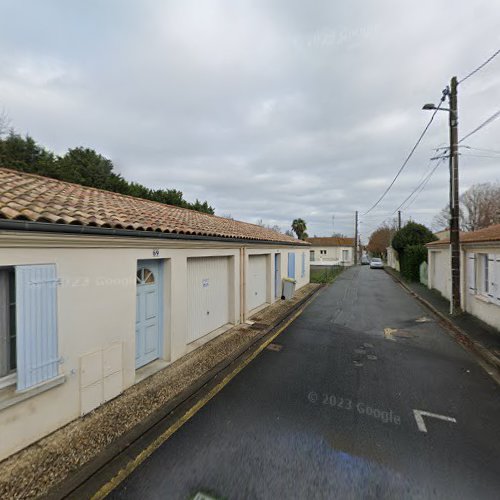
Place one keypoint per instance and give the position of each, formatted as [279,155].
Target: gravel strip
[34,471]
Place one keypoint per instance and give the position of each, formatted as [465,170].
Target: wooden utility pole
[455,303]
[356,239]
[399,219]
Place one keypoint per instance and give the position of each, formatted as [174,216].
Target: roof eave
[48,227]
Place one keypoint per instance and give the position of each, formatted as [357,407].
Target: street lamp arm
[430,107]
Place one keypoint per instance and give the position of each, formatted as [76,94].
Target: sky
[270,110]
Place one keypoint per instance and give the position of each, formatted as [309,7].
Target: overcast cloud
[267,109]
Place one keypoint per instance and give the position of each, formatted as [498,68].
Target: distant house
[331,251]
[480,276]
[99,289]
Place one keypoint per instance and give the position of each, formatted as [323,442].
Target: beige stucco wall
[440,279]
[97,306]
[439,271]
[393,258]
[476,304]
[332,253]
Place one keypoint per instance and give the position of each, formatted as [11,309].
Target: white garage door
[257,281]
[208,295]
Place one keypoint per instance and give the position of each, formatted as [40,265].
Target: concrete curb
[487,360]
[77,480]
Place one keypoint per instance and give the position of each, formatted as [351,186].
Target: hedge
[410,261]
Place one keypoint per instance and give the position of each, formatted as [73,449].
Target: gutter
[465,244]
[49,227]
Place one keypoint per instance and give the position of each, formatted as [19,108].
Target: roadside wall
[439,270]
[392,259]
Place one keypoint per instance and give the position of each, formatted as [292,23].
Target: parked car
[376,263]
[365,260]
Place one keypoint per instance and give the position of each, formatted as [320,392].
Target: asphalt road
[331,415]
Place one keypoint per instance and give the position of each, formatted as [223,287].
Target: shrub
[410,261]
[410,242]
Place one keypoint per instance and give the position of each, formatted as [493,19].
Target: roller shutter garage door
[208,295]
[257,281]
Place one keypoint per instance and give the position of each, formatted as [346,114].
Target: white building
[480,276]
[98,289]
[393,258]
[331,251]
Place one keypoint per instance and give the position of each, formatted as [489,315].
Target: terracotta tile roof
[333,241]
[491,233]
[41,199]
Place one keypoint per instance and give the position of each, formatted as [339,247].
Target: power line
[443,97]
[482,149]
[492,118]
[424,184]
[415,189]
[481,156]
[480,67]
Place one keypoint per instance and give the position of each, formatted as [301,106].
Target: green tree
[299,227]
[23,153]
[86,166]
[81,166]
[410,243]
[412,234]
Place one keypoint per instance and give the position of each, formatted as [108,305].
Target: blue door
[277,276]
[147,322]
[291,265]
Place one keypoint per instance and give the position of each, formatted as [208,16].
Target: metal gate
[257,281]
[208,295]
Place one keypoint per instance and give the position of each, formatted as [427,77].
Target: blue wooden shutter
[303,270]
[471,273]
[36,322]
[291,265]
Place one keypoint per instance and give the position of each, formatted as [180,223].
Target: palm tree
[299,228]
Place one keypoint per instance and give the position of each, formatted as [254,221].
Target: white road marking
[388,333]
[423,319]
[419,417]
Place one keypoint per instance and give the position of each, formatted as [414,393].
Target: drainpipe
[242,284]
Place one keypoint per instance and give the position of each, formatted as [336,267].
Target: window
[303,268]
[345,255]
[7,321]
[145,276]
[322,252]
[28,324]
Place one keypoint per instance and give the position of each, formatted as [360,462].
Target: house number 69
[156,252]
